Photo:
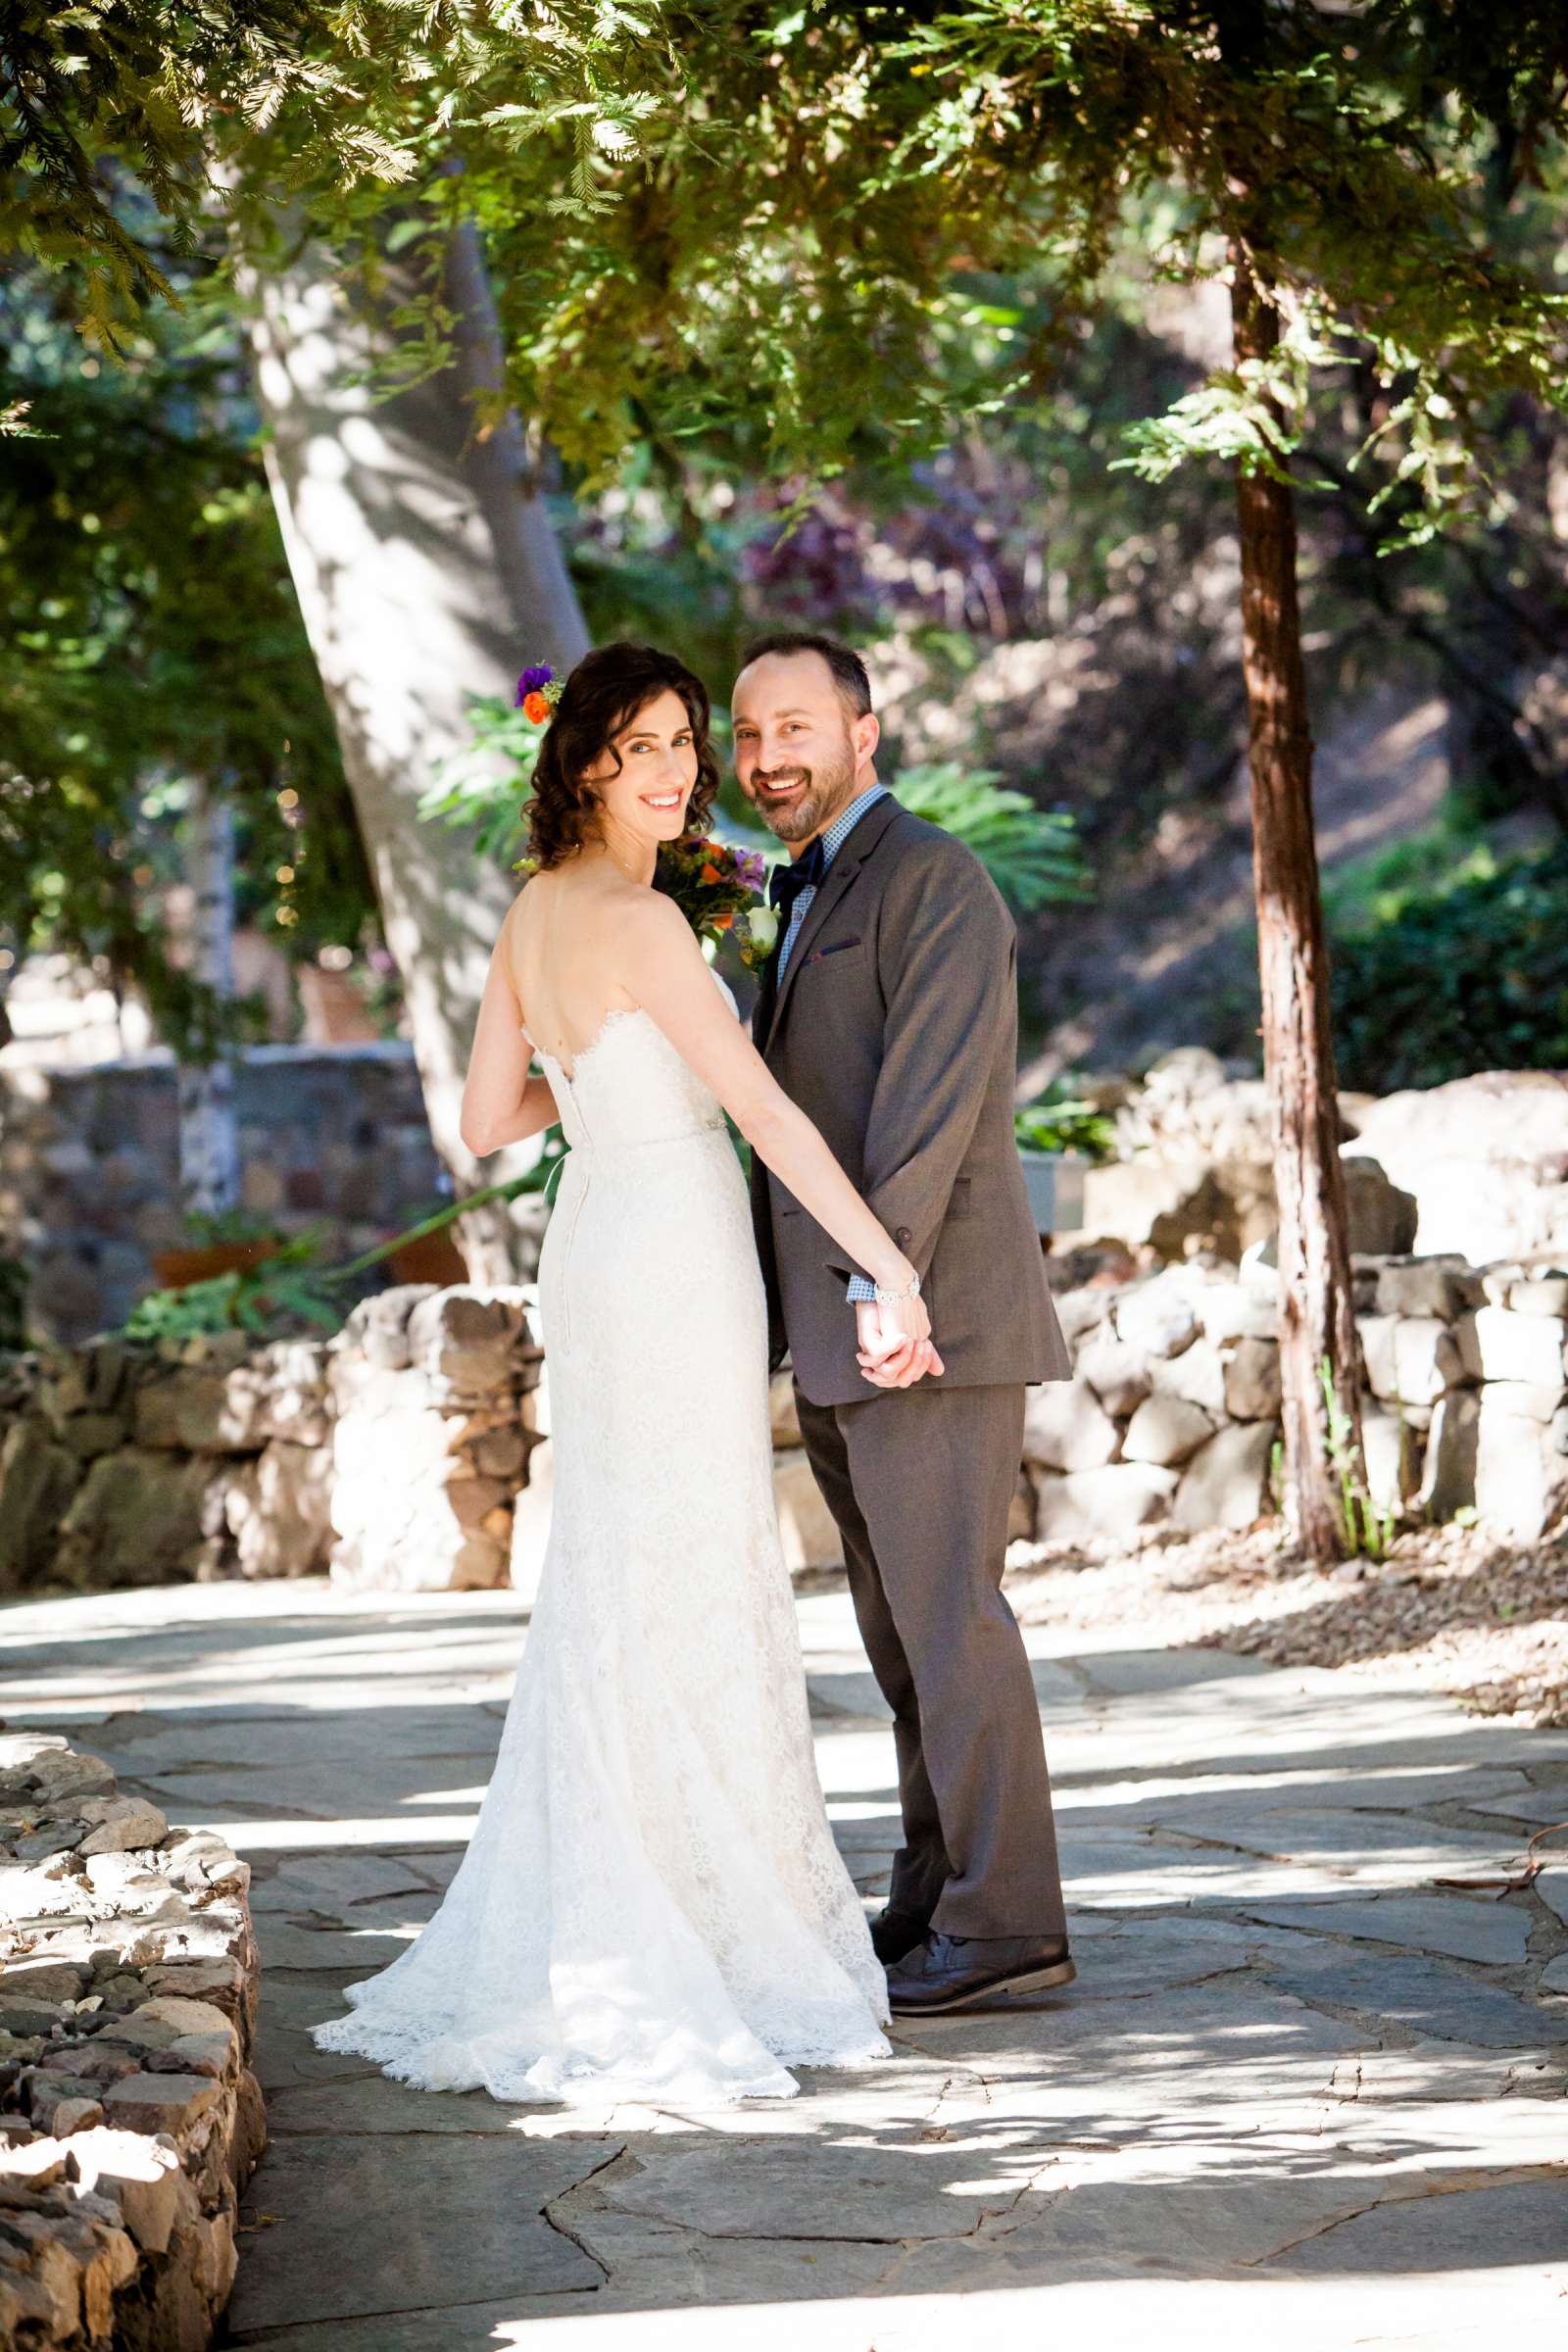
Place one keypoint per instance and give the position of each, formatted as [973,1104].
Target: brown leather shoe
[960,1972]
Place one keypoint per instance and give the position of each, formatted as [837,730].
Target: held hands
[895,1347]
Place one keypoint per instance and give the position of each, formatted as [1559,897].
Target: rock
[1197,1376]
[1116,1501]
[278,1508]
[1382,1218]
[1067,1428]
[136,1519]
[1486,1160]
[783,1417]
[159,2102]
[1426,1285]
[1539,1295]
[1253,1380]
[143,2177]
[1081,1312]
[117,1822]
[1410,1359]
[1527,1400]
[479,1561]
[1098,1266]
[379,1326]
[1521,1477]
[472,1499]
[1498,1344]
[470,1341]
[1392,1453]
[1117,1374]
[805,1525]
[88,1435]
[75,2114]
[1226,1481]
[1165,1430]
[404,1534]
[502,1454]
[200,1408]
[1158,1318]
[1238,1310]
[55,1772]
[37,1478]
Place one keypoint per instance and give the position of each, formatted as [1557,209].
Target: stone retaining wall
[1171,1417]
[391,1454]
[89,1189]
[413,1449]
[130,2117]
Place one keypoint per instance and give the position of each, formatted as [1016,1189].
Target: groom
[888,1014]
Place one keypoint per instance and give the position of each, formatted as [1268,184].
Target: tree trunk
[209,1136]
[427,574]
[1317,1323]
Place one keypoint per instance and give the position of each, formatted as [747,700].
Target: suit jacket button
[903,1237]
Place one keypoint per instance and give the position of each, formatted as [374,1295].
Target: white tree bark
[209,1136]
[427,572]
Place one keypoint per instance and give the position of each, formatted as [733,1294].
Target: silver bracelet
[886,1297]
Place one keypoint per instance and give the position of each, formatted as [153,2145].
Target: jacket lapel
[861,845]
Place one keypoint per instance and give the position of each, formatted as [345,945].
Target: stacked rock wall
[1171,1418]
[391,1454]
[412,1451]
[130,2117]
[1172,1413]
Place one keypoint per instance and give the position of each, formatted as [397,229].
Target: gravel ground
[1451,1608]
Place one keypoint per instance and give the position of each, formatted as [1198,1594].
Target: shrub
[1465,972]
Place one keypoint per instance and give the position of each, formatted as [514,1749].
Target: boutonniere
[759,935]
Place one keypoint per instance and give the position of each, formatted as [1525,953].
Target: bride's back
[561,954]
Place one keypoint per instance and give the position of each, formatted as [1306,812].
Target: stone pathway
[1299,2088]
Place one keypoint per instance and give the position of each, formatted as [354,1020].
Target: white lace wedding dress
[651,1905]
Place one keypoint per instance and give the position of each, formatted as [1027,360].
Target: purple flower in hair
[533,681]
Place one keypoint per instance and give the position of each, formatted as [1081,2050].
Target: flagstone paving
[1300,2086]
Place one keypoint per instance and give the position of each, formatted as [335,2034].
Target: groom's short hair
[849,671]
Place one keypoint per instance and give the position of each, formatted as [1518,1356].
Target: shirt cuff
[859,1290]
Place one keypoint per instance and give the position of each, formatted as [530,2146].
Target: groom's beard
[826,791]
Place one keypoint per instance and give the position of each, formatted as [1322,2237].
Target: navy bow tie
[786,882]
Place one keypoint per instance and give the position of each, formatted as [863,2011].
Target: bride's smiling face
[647,775]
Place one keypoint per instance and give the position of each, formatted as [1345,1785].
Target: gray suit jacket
[895,1030]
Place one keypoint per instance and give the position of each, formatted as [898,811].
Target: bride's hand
[895,1349]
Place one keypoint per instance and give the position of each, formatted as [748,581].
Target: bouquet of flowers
[719,889]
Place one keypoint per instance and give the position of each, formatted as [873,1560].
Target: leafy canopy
[801,218]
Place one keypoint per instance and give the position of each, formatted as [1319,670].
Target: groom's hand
[895,1349]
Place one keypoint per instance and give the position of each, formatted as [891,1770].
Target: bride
[651,1905]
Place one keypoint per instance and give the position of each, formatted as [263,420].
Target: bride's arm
[501,1102]
[663,971]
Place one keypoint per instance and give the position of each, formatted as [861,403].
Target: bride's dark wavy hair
[601,696]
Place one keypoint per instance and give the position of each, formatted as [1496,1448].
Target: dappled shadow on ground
[1287,2058]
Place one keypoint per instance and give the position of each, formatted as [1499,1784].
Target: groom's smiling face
[800,755]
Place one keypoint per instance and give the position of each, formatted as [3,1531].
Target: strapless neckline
[620,1013]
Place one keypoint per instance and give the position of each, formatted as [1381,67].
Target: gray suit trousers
[921,1482]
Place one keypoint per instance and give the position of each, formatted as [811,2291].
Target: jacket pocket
[959,1202]
[852,948]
